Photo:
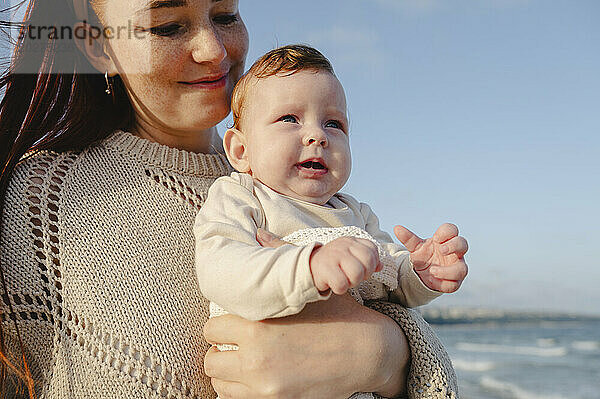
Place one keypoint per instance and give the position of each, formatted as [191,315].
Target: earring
[108,84]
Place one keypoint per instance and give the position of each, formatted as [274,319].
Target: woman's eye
[288,119]
[167,30]
[335,125]
[226,19]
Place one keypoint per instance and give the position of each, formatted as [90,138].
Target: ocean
[540,360]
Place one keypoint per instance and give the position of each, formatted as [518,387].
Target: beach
[525,360]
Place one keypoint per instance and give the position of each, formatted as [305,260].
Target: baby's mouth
[312,165]
[312,168]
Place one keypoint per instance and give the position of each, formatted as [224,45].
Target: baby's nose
[316,137]
[321,142]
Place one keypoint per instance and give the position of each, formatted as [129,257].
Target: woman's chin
[207,120]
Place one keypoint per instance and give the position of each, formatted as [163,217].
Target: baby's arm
[238,274]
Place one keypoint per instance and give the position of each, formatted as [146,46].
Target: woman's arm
[431,373]
[330,350]
[29,267]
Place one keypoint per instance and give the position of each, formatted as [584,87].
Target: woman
[97,251]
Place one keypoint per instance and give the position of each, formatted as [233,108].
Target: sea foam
[473,365]
[514,350]
[586,346]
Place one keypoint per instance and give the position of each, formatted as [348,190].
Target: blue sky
[484,113]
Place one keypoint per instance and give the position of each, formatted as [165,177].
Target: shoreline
[487,317]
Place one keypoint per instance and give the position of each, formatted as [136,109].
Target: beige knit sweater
[97,250]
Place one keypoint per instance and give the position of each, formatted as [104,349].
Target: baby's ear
[234,142]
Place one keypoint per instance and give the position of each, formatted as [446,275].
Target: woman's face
[179,59]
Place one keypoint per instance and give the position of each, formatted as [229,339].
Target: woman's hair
[282,61]
[49,104]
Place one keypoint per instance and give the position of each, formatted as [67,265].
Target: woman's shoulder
[40,169]
[51,169]
[47,173]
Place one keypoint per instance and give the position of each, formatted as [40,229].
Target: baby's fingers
[457,245]
[338,280]
[455,272]
[445,286]
[354,271]
[366,253]
[448,286]
[445,232]
[410,240]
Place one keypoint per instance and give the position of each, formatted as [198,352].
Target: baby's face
[296,132]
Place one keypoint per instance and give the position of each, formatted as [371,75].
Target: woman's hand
[331,349]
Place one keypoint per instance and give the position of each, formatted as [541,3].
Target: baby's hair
[282,61]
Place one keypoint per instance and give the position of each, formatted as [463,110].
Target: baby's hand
[343,263]
[439,260]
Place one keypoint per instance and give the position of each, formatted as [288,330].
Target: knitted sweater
[98,254]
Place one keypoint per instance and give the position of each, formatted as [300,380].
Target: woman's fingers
[222,365]
[267,239]
[229,389]
[223,329]
[456,245]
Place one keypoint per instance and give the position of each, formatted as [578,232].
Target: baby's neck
[316,201]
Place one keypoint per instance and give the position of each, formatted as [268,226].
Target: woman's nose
[208,47]
[316,136]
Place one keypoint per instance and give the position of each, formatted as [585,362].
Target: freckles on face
[180,63]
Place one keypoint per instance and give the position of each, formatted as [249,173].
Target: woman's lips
[213,82]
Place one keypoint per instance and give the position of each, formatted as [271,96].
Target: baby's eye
[167,30]
[288,119]
[335,124]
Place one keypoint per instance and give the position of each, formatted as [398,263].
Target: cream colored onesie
[241,277]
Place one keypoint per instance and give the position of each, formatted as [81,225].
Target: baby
[290,145]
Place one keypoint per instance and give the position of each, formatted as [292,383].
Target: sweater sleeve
[411,291]
[28,267]
[238,274]
[431,374]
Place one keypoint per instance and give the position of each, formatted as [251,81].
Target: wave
[513,350]
[586,346]
[546,342]
[512,391]
[472,365]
